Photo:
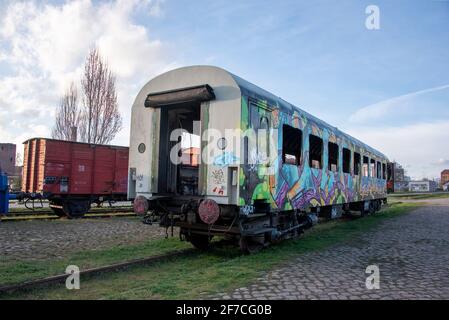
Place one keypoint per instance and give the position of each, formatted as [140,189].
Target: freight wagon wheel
[76,208]
[200,241]
[59,212]
[251,245]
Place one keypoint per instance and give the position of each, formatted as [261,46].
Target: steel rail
[49,211]
[54,217]
[34,284]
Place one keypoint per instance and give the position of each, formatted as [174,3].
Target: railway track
[49,215]
[48,211]
[61,278]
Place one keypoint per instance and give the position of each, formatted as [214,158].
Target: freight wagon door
[121,171]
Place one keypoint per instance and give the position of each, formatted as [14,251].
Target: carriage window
[346,160]
[372,168]
[315,152]
[365,166]
[356,163]
[390,171]
[333,156]
[291,145]
[379,170]
[384,173]
[263,138]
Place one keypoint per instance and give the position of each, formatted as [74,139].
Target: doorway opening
[179,159]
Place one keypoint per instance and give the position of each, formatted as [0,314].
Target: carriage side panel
[299,185]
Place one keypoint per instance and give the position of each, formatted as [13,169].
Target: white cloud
[420,147]
[45,45]
[442,161]
[156,9]
[401,128]
[381,109]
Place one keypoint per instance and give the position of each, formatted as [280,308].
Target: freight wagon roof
[76,142]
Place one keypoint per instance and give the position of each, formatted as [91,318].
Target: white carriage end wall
[222,113]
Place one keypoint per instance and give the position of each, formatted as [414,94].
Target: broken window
[190,149]
[379,170]
[263,138]
[346,160]
[384,174]
[390,172]
[333,156]
[372,168]
[291,145]
[365,167]
[356,163]
[315,152]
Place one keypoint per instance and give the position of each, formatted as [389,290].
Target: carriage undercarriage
[250,233]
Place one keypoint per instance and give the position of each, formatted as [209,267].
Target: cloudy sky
[387,87]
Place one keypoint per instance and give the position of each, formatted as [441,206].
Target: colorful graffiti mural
[300,186]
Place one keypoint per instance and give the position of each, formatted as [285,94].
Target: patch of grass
[15,272]
[219,270]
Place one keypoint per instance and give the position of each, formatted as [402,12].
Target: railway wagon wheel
[75,209]
[57,208]
[251,245]
[378,205]
[372,207]
[363,211]
[59,212]
[200,241]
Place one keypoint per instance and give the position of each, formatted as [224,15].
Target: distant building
[445,186]
[401,186]
[8,158]
[444,177]
[422,186]
[399,172]
[8,165]
[190,156]
[401,181]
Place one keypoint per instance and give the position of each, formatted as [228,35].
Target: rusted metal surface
[209,211]
[140,205]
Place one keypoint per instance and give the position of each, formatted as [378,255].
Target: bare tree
[100,118]
[67,116]
[19,160]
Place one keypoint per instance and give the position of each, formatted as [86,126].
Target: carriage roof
[218,76]
[251,90]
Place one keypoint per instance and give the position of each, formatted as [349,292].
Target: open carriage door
[179,143]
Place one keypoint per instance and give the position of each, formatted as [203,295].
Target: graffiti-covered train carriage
[263,169]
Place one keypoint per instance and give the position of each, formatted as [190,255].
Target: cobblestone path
[411,251]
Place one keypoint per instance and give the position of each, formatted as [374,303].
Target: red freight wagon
[73,175]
